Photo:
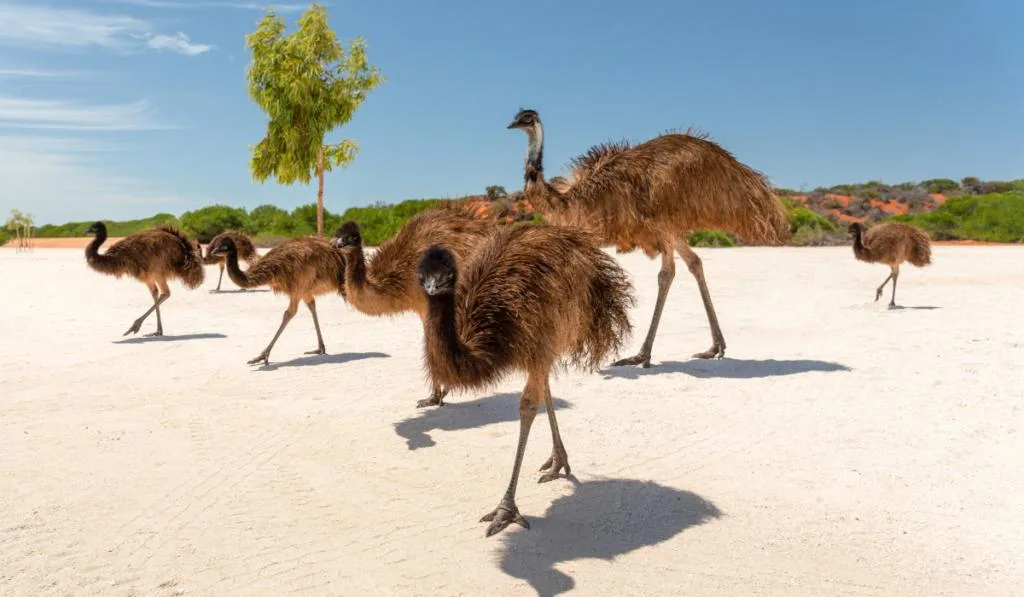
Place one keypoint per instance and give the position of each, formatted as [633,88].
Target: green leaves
[308,84]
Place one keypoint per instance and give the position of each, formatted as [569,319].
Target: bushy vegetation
[379,222]
[996,217]
[114,228]
[966,214]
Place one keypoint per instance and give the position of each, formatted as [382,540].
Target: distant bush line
[971,210]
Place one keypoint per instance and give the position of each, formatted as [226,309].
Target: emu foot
[505,514]
[559,460]
[436,399]
[135,328]
[263,358]
[717,351]
[320,350]
[892,305]
[878,293]
[644,360]
[158,332]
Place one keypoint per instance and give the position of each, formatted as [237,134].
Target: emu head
[96,228]
[437,271]
[526,120]
[347,235]
[856,228]
[226,245]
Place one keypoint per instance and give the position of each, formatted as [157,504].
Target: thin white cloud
[33,25]
[195,4]
[60,179]
[66,115]
[34,73]
[179,43]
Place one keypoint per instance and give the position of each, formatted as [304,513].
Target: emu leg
[696,267]
[320,348]
[878,293]
[559,458]
[437,395]
[221,278]
[507,512]
[895,276]
[264,356]
[665,276]
[165,293]
[157,299]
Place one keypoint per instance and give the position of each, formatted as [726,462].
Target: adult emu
[651,196]
[891,244]
[246,252]
[152,257]
[530,298]
[302,268]
[387,284]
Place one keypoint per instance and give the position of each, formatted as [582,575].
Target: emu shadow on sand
[302,268]
[152,257]
[387,284]
[530,297]
[651,196]
[891,244]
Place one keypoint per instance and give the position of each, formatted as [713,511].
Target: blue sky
[123,108]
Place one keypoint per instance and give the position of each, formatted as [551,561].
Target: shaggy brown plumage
[243,244]
[387,284]
[152,257]
[302,268]
[529,299]
[651,196]
[891,244]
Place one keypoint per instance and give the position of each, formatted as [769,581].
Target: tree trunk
[320,193]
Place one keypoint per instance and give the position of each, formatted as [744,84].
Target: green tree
[308,85]
[495,192]
[266,219]
[208,222]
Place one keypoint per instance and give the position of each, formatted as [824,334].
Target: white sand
[851,450]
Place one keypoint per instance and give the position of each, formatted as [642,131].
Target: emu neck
[240,278]
[446,355]
[360,292]
[533,171]
[355,269]
[858,244]
[103,263]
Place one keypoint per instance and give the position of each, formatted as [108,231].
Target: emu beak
[513,125]
[336,242]
[430,286]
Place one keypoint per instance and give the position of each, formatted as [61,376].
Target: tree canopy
[308,84]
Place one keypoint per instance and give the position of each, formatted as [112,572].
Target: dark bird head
[856,227]
[96,228]
[437,271]
[226,245]
[525,119]
[347,235]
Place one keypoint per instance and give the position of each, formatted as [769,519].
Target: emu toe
[644,360]
[505,514]
[135,328]
[320,350]
[436,399]
[559,460]
[263,358]
[717,351]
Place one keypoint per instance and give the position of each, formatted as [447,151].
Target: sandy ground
[840,449]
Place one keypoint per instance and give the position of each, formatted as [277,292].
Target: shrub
[710,238]
[998,217]
[205,223]
[267,219]
[940,185]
